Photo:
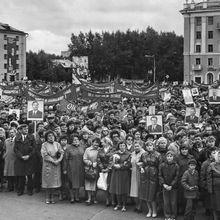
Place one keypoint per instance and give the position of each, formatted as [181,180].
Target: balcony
[211,68]
[197,67]
[218,26]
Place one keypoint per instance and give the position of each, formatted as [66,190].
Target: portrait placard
[152,110]
[192,115]
[35,110]
[195,91]
[187,96]
[155,124]
[214,96]
[16,112]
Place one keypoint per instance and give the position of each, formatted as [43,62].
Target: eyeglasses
[130,139]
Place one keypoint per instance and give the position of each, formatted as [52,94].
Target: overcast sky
[50,23]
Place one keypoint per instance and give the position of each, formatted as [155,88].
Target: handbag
[90,174]
[102,181]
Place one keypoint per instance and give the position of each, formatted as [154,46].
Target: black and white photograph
[155,124]
[214,96]
[109,110]
[35,110]
[192,115]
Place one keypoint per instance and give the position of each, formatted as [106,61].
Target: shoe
[154,215]
[117,208]
[148,214]
[20,193]
[47,201]
[123,209]
[88,202]
[72,201]
[52,202]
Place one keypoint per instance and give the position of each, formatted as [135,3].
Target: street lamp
[152,56]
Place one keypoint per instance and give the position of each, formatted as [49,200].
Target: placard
[35,110]
[214,96]
[192,115]
[187,96]
[155,124]
[16,112]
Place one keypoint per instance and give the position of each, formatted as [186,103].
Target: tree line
[115,55]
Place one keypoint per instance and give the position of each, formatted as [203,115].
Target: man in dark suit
[154,127]
[24,148]
[214,97]
[192,118]
[35,113]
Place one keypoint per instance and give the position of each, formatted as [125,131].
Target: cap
[192,161]
[170,152]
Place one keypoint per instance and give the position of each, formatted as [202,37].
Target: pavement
[13,207]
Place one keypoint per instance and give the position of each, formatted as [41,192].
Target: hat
[142,121]
[192,161]
[170,152]
[50,116]
[217,117]
[71,122]
[63,137]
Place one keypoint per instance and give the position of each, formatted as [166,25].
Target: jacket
[168,174]
[190,183]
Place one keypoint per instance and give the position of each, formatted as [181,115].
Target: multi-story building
[201,41]
[12,53]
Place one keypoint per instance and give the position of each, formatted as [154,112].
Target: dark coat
[104,159]
[157,129]
[38,114]
[190,180]
[169,174]
[22,148]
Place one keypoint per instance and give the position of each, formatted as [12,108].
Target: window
[5,76]
[17,66]
[5,46]
[5,37]
[17,47]
[17,38]
[210,20]
[198,48]
[198,62]
[210,34]
[198,21]
[17,57]
[5,66]
[198,79]
[198,34]
[210,62]
[210,48]
[5,56]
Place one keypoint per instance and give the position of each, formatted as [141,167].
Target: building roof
[8,29]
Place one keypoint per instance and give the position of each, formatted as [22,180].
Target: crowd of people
[112,150]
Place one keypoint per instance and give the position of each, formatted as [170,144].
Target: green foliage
[39,66]
[122,54]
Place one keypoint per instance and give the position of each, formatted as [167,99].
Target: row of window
[6,56]
[6,37]
[12,78]
[6,66]
[199,35]
[198,48]
[6,47]
[198,20]
[210,61]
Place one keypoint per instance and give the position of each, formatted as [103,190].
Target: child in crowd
[190,181]
[168,178]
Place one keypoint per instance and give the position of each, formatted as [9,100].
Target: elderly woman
[120,179]
[91,171]
[73,167]
[135,175]
[52,155]
[104,163]
[10,157]
[213,184]
[149,165]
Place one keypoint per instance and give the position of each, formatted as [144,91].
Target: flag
[66,105]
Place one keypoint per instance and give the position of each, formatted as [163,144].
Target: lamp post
[152,56]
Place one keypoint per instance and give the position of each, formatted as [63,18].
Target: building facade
[201,41]
[12,53]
